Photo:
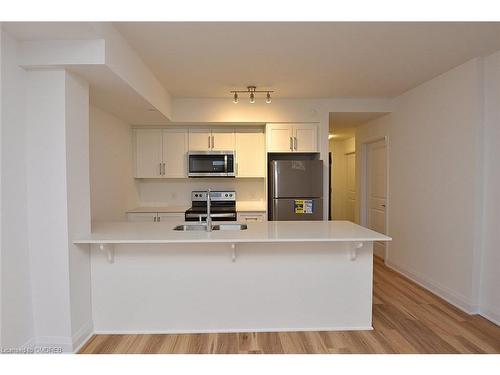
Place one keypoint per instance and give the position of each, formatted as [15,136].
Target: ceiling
[305,59]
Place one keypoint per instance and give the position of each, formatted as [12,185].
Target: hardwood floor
[406,319]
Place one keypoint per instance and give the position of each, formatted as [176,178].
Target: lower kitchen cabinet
[252,216]
[156,216]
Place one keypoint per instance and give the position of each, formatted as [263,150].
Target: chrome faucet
[209,217]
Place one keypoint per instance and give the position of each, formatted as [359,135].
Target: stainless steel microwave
[211,164]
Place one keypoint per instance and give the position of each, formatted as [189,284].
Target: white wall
[434,182]
[78,204]
[339,148]
[17,314]
[47,204]
[58,206]
[490,275]
[113,188]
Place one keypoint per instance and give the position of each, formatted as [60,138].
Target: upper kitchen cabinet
[292,137]
[175,147]
[223,139]
[200,139]
[250,153]
[148,153]
[217,139]
[160,153]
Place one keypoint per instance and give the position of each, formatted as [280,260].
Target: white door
[148,153]
[200,139]
[223,139]
[376,189]
[250,153]
[175,146]
[305,138]
[279,138]
[350,199]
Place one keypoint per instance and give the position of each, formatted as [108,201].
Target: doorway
[343,177]
[374,185]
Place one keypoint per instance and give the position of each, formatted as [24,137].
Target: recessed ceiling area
[305,59]
[343,125]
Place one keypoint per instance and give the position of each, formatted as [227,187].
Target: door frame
[363,204]
[344,206]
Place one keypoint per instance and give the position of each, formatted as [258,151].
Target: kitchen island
[273,276]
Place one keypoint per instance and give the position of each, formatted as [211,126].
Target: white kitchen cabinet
[223,139]
[217,139]
[176,217]
[250,153]
[175,146]
[148,153]
[142,216]
[161,153]
[305,138]
[200,139]
[292,137]
[279,138]
[252,216]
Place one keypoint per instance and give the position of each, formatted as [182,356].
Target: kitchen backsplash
[178,191]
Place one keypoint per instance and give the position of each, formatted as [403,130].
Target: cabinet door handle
[251,219]
[158,218]
[164,169]
[213,143]
[209,142]
[160,169]
[295,143]
[154,219]
[291,144]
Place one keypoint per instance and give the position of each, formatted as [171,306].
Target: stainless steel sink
[190,227]
[202,227]
[229,227]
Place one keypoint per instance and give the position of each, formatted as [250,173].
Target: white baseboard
[229,330]
[82,336]
[68,344]
[490,315]
[455,299]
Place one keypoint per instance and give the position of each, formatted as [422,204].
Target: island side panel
[182,288]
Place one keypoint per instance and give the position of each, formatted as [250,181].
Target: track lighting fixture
[252,90]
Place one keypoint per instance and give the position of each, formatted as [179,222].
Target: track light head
[268,97]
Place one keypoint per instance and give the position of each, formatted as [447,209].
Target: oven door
[211,164]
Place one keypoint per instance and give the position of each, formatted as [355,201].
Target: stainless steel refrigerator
[296,190]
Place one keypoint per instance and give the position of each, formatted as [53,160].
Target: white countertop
[265,232]
[241,206]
